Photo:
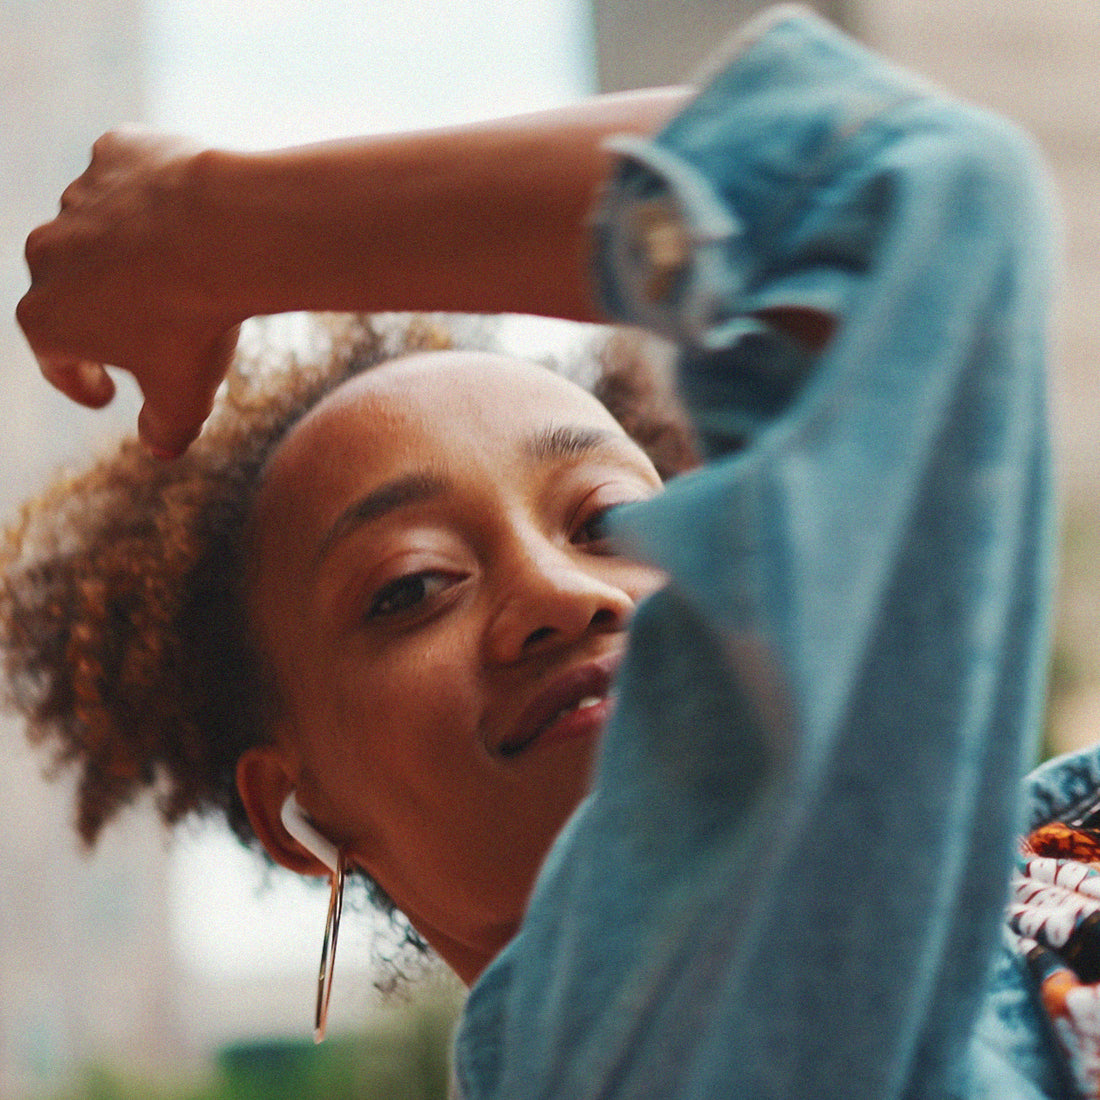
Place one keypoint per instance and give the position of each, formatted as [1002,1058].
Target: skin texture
[416,647]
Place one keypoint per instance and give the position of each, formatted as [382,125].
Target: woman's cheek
[430,688]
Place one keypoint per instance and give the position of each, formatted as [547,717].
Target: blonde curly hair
[126,645]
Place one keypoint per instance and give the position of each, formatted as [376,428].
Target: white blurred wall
[83,965]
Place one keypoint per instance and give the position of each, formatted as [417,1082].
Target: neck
[466,959]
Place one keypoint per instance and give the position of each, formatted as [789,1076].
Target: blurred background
[175,965]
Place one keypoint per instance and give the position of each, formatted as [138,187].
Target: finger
[80,380]
[168,437]
[169,424]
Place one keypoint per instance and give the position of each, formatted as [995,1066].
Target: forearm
[160,250]
[483,218]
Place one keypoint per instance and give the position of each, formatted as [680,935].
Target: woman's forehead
[475,379]
[426,409]
[443,398]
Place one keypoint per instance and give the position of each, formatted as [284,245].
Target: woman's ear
[264,780]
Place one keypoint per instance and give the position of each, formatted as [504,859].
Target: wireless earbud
[302,829]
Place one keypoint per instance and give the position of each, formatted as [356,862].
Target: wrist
[221,234]
[288,229]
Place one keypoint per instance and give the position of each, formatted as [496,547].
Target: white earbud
[301,828]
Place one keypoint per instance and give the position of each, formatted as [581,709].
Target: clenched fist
[118,278]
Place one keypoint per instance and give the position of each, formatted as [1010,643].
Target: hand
[120,278]
[161,250]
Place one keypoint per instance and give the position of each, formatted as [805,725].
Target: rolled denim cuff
[670,246]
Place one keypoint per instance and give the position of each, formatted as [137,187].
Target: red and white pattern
[1054,909]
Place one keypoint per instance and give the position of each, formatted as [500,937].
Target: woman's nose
[550,600]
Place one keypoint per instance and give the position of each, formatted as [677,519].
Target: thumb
[170,422]
[167,437]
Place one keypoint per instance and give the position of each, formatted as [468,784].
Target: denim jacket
[788,877]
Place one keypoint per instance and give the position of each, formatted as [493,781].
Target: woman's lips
[586,719]
[575,704]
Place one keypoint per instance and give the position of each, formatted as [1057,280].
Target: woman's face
[444,620]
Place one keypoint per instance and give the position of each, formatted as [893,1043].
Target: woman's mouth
[577,703]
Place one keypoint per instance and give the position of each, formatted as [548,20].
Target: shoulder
[1065,786]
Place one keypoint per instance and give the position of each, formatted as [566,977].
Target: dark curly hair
[122,621]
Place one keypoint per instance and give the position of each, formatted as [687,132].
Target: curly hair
[126,645]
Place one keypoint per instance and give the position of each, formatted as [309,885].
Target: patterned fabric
[1054,912]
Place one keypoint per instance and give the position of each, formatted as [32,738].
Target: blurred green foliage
[406,1061]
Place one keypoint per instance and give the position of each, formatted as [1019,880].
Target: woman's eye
[593,532]
[408,592]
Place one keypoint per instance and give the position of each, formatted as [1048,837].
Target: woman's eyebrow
[567,441]
[555,442]
[402,491]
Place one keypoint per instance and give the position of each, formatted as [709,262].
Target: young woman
[708,791]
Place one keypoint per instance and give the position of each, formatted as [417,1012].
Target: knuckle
[37,246]
[24,312]
[71,195]
[29,312]
[104,145]
[115,141]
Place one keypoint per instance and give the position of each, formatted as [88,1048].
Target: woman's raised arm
[162,248]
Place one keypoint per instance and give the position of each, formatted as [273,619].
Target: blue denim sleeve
[788,878]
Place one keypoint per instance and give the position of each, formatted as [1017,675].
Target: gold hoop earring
[328,947]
